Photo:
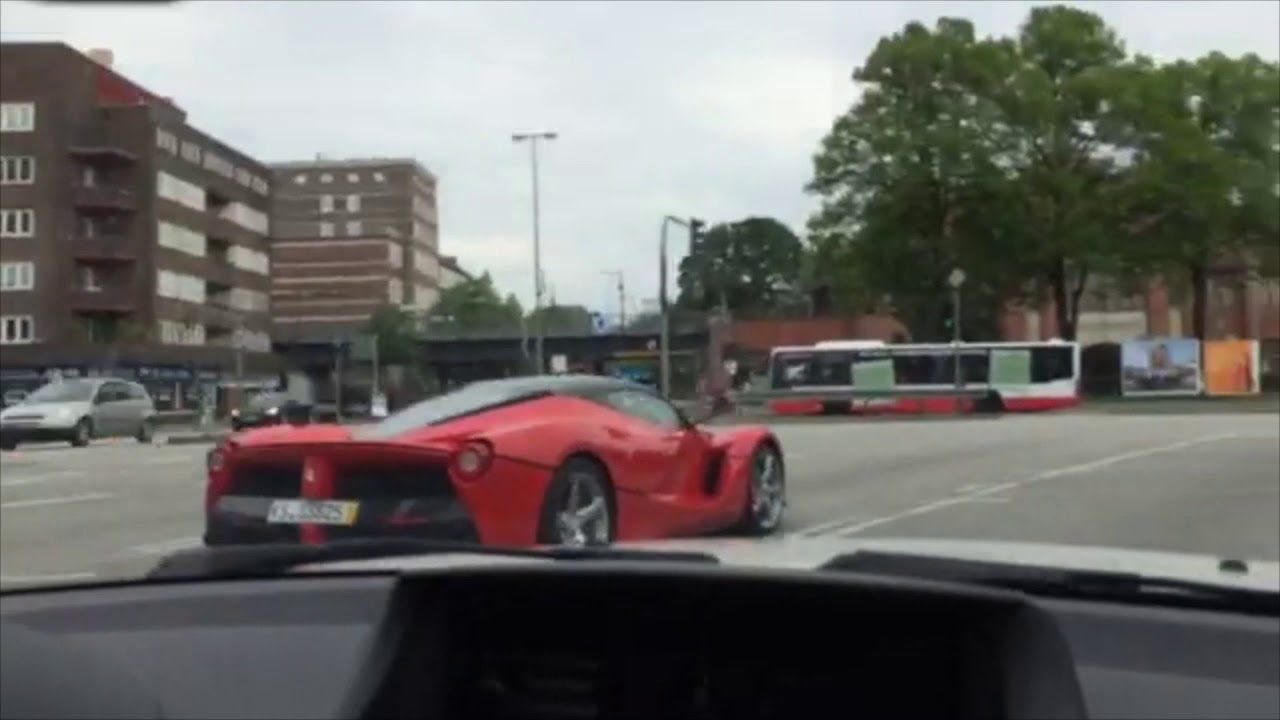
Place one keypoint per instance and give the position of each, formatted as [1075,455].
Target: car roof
[562,384]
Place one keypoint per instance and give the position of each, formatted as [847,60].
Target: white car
[76,411]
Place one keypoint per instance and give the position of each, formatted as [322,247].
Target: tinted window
[65,391]
[1052,363]
[263,401]
[646,407]
[136,392]
[442,408]
[791,369]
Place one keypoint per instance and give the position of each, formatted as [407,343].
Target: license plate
[319,512]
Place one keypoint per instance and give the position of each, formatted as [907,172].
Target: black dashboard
[619,640]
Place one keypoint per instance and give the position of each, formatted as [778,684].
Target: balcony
[108,198]
[103,248]
[99,149]
[107,300]
[218,314]
[219,272]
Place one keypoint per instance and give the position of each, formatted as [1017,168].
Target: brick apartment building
[352,236]
[127,236]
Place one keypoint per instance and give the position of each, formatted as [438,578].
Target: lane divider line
[43,579]
[164,547]
[42,477]
[61,500]
[984,494]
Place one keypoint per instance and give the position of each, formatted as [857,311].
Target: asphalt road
[1203,483]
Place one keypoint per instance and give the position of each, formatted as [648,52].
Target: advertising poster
[873,374]
[1160,366]
[1010,367]
[1231,367]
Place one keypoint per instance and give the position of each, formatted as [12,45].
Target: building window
[17,170]
[353,177]
[88,176]
[353,203]
[17,330]
[326,203]
[17,117]
[166,140]
[326,229]
[180,238]
[17,276]
[89,279]
[379,177]
[355,227]
[191,152]
[16,223]
[181,191]
[326,178]
[300,179]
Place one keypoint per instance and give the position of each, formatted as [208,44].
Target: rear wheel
[146,432]
[766,492]
[579,507]
[82,433]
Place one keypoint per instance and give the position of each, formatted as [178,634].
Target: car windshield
[464,401]
[747,261]
[263,401]
[64,391]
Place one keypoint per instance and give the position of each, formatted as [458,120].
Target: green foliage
[474,305]
[1035,162]
[751,266]
[562,320]
[397,334]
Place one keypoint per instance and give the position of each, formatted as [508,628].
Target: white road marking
[41,579]
[164,547]
[42,477]
[60,500]
[992,493]
[821,528]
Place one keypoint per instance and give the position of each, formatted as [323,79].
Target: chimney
[102,56]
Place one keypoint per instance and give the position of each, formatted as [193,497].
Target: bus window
[1052,363]
[832,369]
[790,369]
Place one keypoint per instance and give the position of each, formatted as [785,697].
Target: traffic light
[695,232]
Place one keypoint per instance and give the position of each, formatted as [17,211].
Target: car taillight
[472,459]
[216,459]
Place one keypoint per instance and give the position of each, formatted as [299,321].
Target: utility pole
[622,297]
[533,139]
[665,336]
[956,281]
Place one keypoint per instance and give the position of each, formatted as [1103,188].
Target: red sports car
[550,460]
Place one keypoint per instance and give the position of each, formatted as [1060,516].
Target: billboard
[1160,366]
[1231,367]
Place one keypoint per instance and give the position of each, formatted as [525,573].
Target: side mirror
[705,412]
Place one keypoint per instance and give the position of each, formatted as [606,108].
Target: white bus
[921,378]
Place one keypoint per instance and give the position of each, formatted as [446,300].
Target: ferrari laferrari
[550,460]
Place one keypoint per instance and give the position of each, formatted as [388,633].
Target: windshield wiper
[270,560]
[1063,583]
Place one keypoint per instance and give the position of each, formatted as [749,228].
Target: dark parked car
[271,408]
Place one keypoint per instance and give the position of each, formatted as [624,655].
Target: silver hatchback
[76,411]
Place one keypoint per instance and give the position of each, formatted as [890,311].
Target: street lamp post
[956,280]
[533,139]
[665,333]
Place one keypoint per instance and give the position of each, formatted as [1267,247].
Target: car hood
[803,553]
[46,409]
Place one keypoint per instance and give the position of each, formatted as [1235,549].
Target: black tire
[590,476]
[146,432]
[82,433]
[8,445]
[756,521]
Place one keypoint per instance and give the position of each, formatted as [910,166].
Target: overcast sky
[706,109]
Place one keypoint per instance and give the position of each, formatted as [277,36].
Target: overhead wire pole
[622,297]
[533,139]
[665,334]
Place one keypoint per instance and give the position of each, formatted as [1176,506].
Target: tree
[1063,75]
[474,305]
[562,319]
[397,335]
[748,266]
[912,186]
[1206,182]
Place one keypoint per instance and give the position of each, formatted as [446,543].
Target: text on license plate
[320,512]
